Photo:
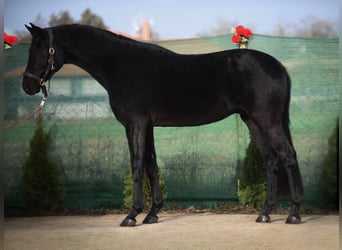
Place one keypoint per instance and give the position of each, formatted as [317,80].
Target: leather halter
[50,67]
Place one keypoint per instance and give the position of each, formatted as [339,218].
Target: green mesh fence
[200,165]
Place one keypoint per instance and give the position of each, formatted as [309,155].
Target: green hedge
[42,186]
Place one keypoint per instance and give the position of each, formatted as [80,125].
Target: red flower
[240,30]
[236,39]
[247,33]
[10,39]
[241,35]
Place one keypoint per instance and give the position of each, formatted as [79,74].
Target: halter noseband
[50,67]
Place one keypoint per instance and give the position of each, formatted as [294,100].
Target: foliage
[220,28]
[329,177]
[41,183]
[253,195]
[64,17]
[89,18]
[252,189]
[128,191]
[310,26]
[253,169]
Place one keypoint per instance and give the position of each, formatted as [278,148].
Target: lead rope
[25,118]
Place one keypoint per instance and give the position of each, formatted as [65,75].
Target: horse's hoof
[263,218]
[292,219]
[150,219]
[128,222]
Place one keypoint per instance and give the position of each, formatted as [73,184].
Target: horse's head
[45,58]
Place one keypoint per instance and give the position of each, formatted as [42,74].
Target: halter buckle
[42,82]
[51,51]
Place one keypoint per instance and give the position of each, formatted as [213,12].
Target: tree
[62,18]
[310,26]
[129,185]
[89,18]
[328,182]
[252,189]
[222,27]
[24,35]
[41,183]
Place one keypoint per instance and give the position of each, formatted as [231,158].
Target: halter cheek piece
[50,67]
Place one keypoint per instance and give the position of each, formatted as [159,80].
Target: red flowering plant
[241,36]
[9,41]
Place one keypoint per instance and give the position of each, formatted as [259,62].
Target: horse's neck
[86,52]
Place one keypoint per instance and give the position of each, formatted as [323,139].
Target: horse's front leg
[136,135]
[152,173]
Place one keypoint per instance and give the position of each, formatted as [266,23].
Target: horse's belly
[191,115]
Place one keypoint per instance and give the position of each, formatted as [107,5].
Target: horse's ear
[34,30]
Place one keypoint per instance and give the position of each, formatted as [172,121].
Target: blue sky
[175,18]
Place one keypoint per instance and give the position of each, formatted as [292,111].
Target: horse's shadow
[173,217]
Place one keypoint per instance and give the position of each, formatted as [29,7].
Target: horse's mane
[111,35]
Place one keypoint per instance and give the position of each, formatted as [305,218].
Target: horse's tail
[286,113]
[283,184]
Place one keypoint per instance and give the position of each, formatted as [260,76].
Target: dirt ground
[174,231]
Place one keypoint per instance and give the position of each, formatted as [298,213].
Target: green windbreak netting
[200,165]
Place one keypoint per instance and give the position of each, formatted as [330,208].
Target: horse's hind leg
[275,144]
[271,163]
[280,140]
[152,173]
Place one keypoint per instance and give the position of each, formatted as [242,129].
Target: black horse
[151,86]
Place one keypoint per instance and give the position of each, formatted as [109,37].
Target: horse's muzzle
[30,86]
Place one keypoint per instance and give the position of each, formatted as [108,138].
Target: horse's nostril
[26,89]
